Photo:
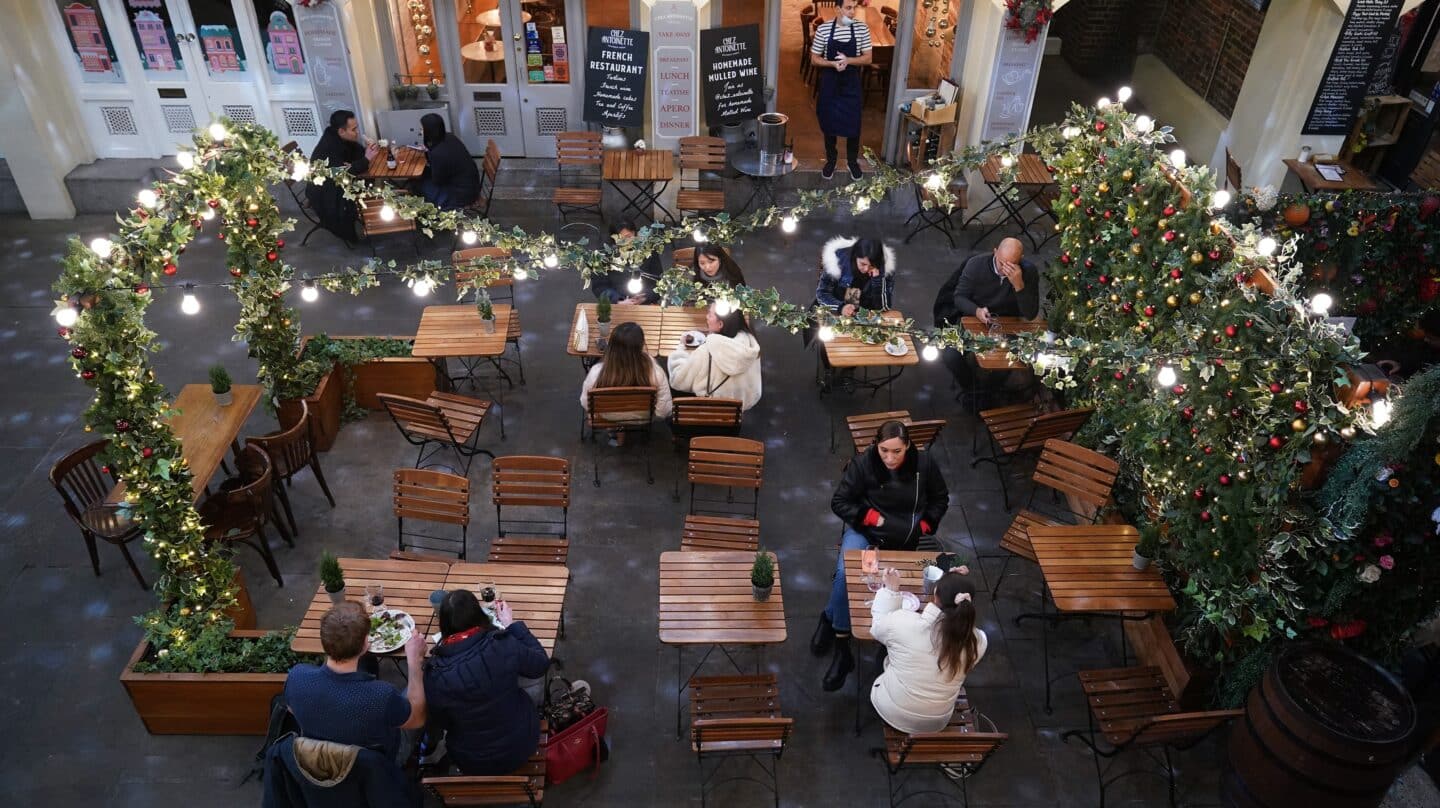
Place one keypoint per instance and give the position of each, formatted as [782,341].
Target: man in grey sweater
[999,284]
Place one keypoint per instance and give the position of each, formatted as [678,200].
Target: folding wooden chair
[468,276]
[956,752]
[445,420]
[294,186]
[720,533]
[432,496]
[372,224]
[1023,429]
[923,434]
[1083,476]
[737,717]
[693,416]
[683,257]
[531,482]
[700,155]
[581,190]
[730,463]
[526,786]
[291,451]
[627,411]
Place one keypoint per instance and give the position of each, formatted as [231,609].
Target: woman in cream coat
[930,652]
[726,365]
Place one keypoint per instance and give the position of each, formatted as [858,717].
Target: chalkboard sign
[730,62]
[1358,51]
[615,76]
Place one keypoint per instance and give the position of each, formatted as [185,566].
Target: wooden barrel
[1325,728]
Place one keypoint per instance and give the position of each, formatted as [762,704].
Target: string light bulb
[825,333]
[208,213]
[1220,199]
[862,204]
[102,246]
[1070,132]
[635,286]
[469,237]
[929,353]
[1177,158]
[934,182]
[1320,304]
[65,313]
[1007,160]
[309,292]
[723,307]
[698,234]
[1124,94]
[519,273]
[788,224]
[147,198]
[387,213]
[300,171]
[1380,412]
[1103,102]
[218,131]
[1166,377]
[1266,246]
[422,286]
[186,159]
[1144,124]
[551,261]
[189,303]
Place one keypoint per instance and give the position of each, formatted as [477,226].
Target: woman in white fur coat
[725,365]
[856,273]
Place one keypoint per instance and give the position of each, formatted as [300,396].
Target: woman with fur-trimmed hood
[856,273]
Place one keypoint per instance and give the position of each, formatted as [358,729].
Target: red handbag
[576,748]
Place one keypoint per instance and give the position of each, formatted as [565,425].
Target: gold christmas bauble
[1114,298]
[1136,248]
[1195,298]
[1162,224]
[1127,175]
[1104,188]
[1196,257]
[1298,424]
[1172,301]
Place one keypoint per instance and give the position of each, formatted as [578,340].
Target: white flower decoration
[1370,574]
[1384,474]
[1265,196]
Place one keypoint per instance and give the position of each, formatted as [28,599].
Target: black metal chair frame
[708,781]
[1065,513]
[628,429]
[904,773]
[464,452]
[683,434]
[936,217]
[472,364]
[1001,459]
[401,534]
[122,541]
[1162,760]
[729,499]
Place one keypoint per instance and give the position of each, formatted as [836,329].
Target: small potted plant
[332,577]
[1145,549]
[762,575]
[486,310]
[220,386]
[602,316]
[433,90]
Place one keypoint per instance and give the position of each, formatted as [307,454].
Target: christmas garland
[1028,16]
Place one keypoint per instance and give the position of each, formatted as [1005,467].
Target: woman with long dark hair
[726,364]
[451,179]
[929,653]
[626,364]
[472,686]
[856,274]
[713,264]
[889,496]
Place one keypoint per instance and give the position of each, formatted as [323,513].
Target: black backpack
[282,723]
[944,309]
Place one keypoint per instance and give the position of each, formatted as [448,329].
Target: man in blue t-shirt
[338,702]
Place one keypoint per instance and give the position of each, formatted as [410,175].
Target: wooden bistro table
[408,585]
[1088,569]
[860,596]
[1032,181]
[997,358]
[706,600]
[642,169]
[205,431]
[663,326]
[409,164]
[1352,180]
[844,352]
[448,332]
[535,592]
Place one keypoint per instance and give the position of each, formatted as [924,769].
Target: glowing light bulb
[1321,303]
[186,159]
[422,287]
[469,237]
[1007,160]
[699,235]
[862,204]
[66,314]
[189,303]
[1103,102]
[1266,246]
[1220,198]
[551,261]
[929,353]
[1166,377]
[387,213]
[723,307]
[635,286]
[300,171]
[101,247]
[218,131]
[309,292]
[1144,124]
[934,182]
[1070,132]
[1124,94]
[208,213]
[788,224]
[1177,158]
[147,198]
[1380,412]
[519,273]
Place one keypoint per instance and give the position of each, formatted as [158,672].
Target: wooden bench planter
[202,703]
[399,375]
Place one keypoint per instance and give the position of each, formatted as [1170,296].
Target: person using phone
[1000,283]
[615,285]
[890,496]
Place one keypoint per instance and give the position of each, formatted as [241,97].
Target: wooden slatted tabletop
[859,595]
[996,359]
[409,164]
[706,599]
[663,326]
[535,592]
[848,352]
[632,165]
[206,430]
[408,585]
[1030,170]
[447,331]
[1089,569]
[1352,180]
[880,36]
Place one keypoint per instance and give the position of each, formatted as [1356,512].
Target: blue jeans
[838,610]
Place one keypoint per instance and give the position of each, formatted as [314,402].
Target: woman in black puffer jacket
[889,496]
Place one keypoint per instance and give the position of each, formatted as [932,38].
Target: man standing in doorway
[841,49]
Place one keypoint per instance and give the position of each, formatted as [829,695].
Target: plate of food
[694,339]
[390,629]
[897,348]
[909,602]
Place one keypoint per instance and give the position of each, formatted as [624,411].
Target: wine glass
[994,328]
[375,597]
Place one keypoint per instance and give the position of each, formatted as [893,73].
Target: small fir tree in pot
[220,385]
[332,577]
[1146,548]
[486,308]
[602,316]
[762,575]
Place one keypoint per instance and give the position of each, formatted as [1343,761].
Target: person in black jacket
[889,496]
[451,181]
[617,285]
[996,284]
[339,146]
[472,686]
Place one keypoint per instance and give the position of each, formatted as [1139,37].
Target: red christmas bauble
[146,452]
[1089,263]
[1127,307]
[1187,413]
[1149,311]
[1276,442]
[1224,479]
[271,256]
[1065,258]
[279,243]
[87,374]
[79,353]
[1169,210]
[196,223]
[220,235]
[1119,375]
[1214,255]
[1099,126]
[235,272]
[1169,235]
[170,269]
[1204,516]
[1208,450]
[1276,388]
[1106,214]
[252,222]
[214,203]
[122,425]
[1231,330]
[1249,323]
[142,289]
[1229,393]
[1234,412]
[1178,389]
[1104,280]
[1074,190]
[1302,406]
[63,332]
[1199,493]
[1428,206]
[1135,231]
[1176,273]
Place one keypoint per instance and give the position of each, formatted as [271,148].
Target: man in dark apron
[841,49]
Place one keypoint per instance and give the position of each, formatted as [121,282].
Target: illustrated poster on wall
[1012,86]
[730,66]
[93,49]
[616,60]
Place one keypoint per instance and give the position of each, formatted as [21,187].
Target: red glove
[925,528]
[872,518]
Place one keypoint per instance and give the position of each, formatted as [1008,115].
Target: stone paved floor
[72,738]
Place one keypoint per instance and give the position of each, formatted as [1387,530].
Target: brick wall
[1207,43]
[1098,37]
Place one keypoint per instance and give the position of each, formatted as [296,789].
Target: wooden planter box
[400,375]
[326,405]
[202,703]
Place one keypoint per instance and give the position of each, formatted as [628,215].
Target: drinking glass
[375,597]
[994,328]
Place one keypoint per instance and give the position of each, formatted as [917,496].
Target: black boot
[823,637]
[840,665]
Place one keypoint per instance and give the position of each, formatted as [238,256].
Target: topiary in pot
[762,575]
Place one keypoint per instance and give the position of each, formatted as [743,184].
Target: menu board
[1358,50]
[325,54]
[672,24]
[615,76]
[730,62]
[1012,85]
